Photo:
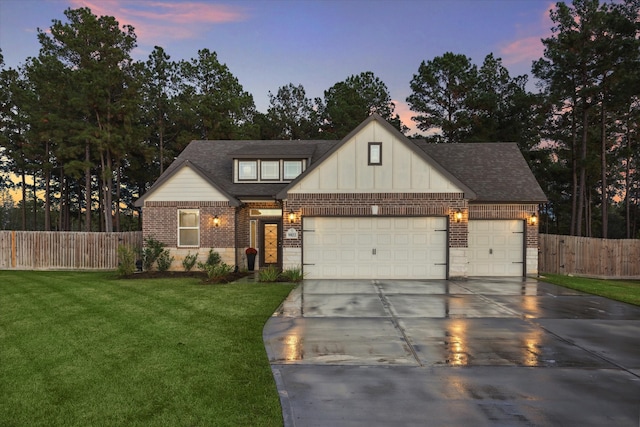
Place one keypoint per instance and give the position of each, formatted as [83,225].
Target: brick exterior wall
[160,221]
[518,211]
[389,204]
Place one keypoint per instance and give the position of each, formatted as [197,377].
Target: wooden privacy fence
[588,256]
[41,250]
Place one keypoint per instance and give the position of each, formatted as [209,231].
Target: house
[374,205]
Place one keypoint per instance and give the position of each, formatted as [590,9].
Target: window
[248,170]
[292,168]
[270,170]
[188,227]
[375,153]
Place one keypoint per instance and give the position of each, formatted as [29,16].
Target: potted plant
[251,258]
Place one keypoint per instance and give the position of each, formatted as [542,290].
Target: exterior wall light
[216,221]
[292,216]
[533,219]
[458,215]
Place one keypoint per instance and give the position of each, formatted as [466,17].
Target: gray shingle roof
[495,172]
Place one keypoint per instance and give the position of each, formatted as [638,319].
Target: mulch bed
[231,277]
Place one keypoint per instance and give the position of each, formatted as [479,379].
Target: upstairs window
[292,168]
[247,170]
[375,153]
[270,170]
[257,170]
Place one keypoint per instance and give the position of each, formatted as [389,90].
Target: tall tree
[98,53]
[440,95]
[348,103]
[291,115]
[212,102]
[581,72]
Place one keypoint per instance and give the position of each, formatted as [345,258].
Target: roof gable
[186,182]
[404,168]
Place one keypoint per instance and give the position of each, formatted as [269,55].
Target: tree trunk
[603,166]
[87,189]
[47,190]
[107,187]
[574,171]
[583,170]
[23,176]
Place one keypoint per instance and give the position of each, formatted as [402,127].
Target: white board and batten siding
[375,247]
[402,170]
[496,248]
[186,185]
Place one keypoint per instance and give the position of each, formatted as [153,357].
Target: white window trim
[258,164]
[197,227]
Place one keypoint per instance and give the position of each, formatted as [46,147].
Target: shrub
[164,260]
[218,271]
[189,261]
[269,274]
[126,260]
[212,259]
[150,253]
[293,274]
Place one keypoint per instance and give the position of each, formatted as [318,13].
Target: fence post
[13,249]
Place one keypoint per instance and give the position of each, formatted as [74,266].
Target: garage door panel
[405,248]
[496,248]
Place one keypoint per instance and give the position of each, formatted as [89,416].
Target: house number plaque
[292,233]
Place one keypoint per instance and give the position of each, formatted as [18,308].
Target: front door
[271,244]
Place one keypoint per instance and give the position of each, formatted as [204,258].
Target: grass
[84,348]
[620,290]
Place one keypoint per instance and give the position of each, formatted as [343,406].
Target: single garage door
[375,248]
[496,248]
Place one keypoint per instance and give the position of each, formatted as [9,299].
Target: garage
[496,248]
[375,247]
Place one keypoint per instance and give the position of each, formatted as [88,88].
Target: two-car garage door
[375,247]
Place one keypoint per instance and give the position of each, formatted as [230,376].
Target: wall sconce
[292,216]
[216,221]
[458,215]
[533,219]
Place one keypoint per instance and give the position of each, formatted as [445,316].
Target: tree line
[86,129]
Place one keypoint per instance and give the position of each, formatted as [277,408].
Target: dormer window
[292,168]
[268,170]
[247,170]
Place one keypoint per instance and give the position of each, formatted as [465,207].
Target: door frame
[261,251]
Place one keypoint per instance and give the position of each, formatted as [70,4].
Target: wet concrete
[486,352]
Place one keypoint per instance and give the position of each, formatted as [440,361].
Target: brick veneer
[518,211]
[160,221]
[389,204]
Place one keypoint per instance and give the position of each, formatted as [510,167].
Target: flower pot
[251,261]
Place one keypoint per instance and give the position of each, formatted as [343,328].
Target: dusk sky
[270,43]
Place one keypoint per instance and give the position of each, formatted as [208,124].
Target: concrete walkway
[501,352]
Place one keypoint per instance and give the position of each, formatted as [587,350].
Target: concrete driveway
[478,352]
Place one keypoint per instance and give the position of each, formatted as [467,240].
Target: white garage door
[496,248]
[375,248]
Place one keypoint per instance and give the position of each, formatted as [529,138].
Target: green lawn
[620,290]
[88,349]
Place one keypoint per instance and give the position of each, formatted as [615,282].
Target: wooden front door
[271,252]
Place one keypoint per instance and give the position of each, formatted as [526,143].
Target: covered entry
[375,247]
[496,248]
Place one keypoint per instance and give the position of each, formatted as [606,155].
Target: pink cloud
[154,21]
[529,47]
[526,49]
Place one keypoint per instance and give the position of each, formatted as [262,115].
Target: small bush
[293,274]
[126,260]
[189,261]
[212,259]
[150,253]
[269,274]
[164,260]
[218,271]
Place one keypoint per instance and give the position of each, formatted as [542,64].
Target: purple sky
[270,43]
